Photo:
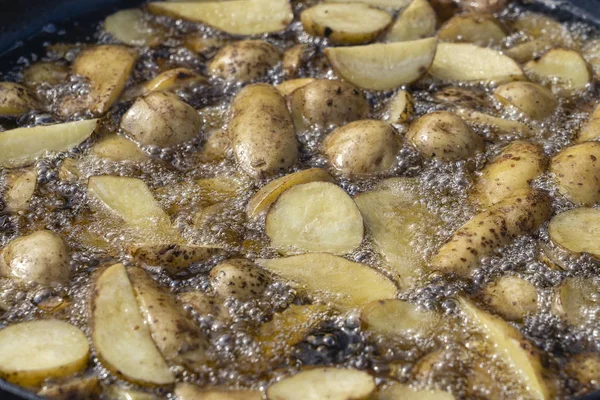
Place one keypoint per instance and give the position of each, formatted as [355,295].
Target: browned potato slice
[511,297]
[353,23]
[45,72]
[397,391]
[121,338]
[468,62]
[400,108]
[479,29]
[345,283]
[287,87]
[590,131]
[21,146]
[238,278]
[118,148]
[398,318]
[269,193]
[75,389]
[576,300]
[527,51]
[314,217]
[577,230]
[576,170]
[417,21]
[244,61]
[585,367]
[531,99]
[383,66]
[499,126]
[16,100]
[131,27]
[499,225]
[187,391]
[565,69]
[237,17]
[324,383]
[21,188]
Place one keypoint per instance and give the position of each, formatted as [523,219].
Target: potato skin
[591,128]
[238,278]
[585,367]
[263,138]
[16,100]
[244,61]
[577,173]
[513,169]
[511,297]
[444,135]
[516,215]
[362,147]
[327,102]
[532,99]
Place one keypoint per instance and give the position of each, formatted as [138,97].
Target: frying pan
[23,23]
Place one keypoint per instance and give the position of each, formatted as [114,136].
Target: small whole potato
[238,278]
[42,257]
[444,135]
[533,100]
[16,100]
[511,297]
[244,61]
[327,102]
[262,133]
[161,119]
[577,173]
[362,147]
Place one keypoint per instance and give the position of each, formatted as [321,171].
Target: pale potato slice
[531,99]
[417,21]
[564,69]
[87,387]
[498,126]
[269,193]
[576,301]
[21,146]
[346,283]
[397,391]
[590,131]
[324,383]
[45,72]
[468,62]
[237,17]
[576,171]
[31,352]
[121,338]
[591,52]
[171,79]
[519,355]
[577,230]
[527,51]
[16,100]
[353,23]
[21,191]
[400,108]
[118,148]
[479,29]
[314,217]
[131,27]
[383,66]
[398,318]
[294,58]
[287,87]
[187,391]
[391,4]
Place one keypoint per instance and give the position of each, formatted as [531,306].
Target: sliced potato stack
[352,23]
[577,230]
[576,301]
[314,217]
[564,69]
[417,21]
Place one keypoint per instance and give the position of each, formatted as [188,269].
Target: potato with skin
[512,169]
[216,146]
[362,147]
[118,148]
[204,304]
[498,126]
[576,170]
[244,61]
[262,132]
[590,131]
[577,230]
[565,69]
[529,50]
[294,59]
[76,389]
[417,21]
[288,87]
[41,257]
[468,98]
[45,72]
[576,302]
[531,99]
[21,187]
[585,367]
[239,278]
[175,258]
[499,225]
[400,108]
[187,391]
[161,119]
[16,100]
[327,102]
[511,297]
[479,29]
[445,136]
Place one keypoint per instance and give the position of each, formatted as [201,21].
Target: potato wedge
[352,23]
[512,169]
[529,50]
[397,391]
[480,29]
[244,60]
[45,72]
[21,190]
[585,367]
[564,69]
[576,170]
[269,193]
[398,318]
[591,53]
[540,26]
[577,230]
[511,297]
[590,131]
[287,87]
[400,108]
[131,27]
[173,257]
[206,305]
[31,352]
[498,126]
[519,355]
[118,148]
[417,21]
[121,338]
[345,283]
[87,387]
[239,278]
[172,79]
[16,100]
[383,66]
[531,99]
[576,301]
[314,217]
[187,391]
[21,146]
[499,225]
[237,17]
[468,62]
[323,383]
[389,4]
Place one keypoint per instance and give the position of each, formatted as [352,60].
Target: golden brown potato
[16,100]
[480,29]
[531,99]
[239,278]
[445,136]
[511,297]
[590,130]
[576,170]
[244,61]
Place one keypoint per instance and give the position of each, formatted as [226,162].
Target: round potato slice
[533,100]
[577,230]
[354,23]
[31,352]
[315,217]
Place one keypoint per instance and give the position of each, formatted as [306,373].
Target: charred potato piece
[531,99]
[511,297]
[16,100]
[576,170]
[417,21]
[238,278]
[479,29]
[244,61]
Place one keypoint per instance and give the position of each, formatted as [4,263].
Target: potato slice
[398,318]
[287,87]
[121,338]
[173,257]
[531,99]
[187,391]
[527,51]
[585,367]
[21,191]
[565,69]
[590,131]
[118,148]
[468,62]
[21,146]
[352,23]
[237,17]
[45,72]
[576,300]
[498,126]
[31,352]
[383,66]
[520,356]
[131,27]
[400,108]
[576,170]
[479,29]
[314,217]
[577,230]
[397,391]
[16,100]
[239,278]
[540,26]
[591,52]
[294,59]
[346,283]
[115,392]
[80,388]
[171,79]
[511,297]
[417,21]
[324,383]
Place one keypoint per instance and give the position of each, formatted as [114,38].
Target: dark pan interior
[23,22]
